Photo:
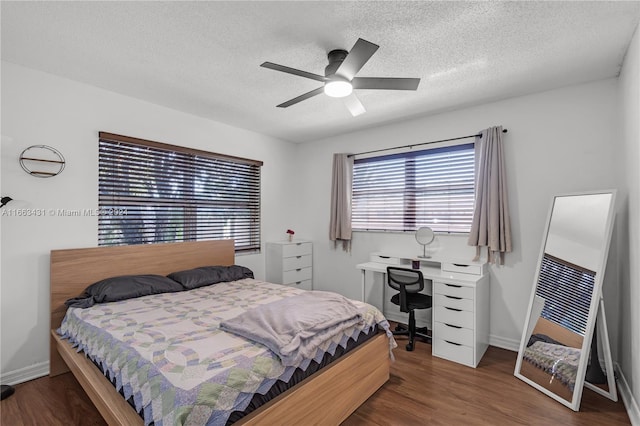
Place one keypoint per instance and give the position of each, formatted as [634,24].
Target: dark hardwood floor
[422,390]
[426,390]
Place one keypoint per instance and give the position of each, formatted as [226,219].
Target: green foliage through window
[150,194]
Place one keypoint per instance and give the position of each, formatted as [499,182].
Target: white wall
[573,252]
[39,108]
[629,224]
[578,229]
[558,142]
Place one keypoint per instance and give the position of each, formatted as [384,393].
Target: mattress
[167,355]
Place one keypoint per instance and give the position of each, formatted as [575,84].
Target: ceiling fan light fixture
[340,77]
[338,88]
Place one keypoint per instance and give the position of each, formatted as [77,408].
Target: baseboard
[25,374]
[498,341]
[504,343]
[627,398]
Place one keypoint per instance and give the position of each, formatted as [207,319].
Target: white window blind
[402,192]
[567,290]
[151,192]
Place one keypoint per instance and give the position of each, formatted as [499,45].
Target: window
[567,291]
[151,192]
[402,192]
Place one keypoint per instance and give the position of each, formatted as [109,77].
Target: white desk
[459,319]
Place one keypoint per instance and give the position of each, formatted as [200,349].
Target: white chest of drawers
[290,263]
[461,321]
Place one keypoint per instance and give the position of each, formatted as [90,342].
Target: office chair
[409,283]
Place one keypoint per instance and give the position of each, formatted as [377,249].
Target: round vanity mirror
[424,236]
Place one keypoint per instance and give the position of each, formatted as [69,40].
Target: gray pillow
[207,275]
[123,287]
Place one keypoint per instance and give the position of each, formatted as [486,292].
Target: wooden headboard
[558,333]
[73,270]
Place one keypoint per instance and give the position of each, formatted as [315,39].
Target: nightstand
[290,263]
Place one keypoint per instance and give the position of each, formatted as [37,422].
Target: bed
[551,358]
[355,375]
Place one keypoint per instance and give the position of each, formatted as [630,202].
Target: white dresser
[290,263]
[459,318]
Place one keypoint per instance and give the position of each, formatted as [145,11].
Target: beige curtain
[491,225]
[340,225]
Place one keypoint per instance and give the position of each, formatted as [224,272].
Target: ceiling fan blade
[384,83]
[301,97]
[293,71]
[354,105]
[357,57]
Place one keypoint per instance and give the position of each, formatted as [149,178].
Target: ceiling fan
[340,77]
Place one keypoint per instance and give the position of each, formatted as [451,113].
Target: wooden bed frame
[328,396]
[558,333]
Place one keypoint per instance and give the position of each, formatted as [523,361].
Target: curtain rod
[421,143]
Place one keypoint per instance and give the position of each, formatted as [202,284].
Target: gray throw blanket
[296,326]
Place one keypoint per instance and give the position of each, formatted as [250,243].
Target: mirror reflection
[553,352]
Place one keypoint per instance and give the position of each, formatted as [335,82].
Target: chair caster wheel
[409,347]
[399,328]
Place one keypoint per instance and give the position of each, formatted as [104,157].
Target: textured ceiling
[203,57]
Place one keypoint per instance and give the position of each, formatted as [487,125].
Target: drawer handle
[454,343]
[453,309]
[460,265]
[299,269]
[452,326]
[298,244]
[298,282]
[298,257]
[384,257]
[453,285]
[453,297]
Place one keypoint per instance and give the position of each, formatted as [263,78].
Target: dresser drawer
[296,275]
[453,352]
[302,285]
[454,302]
[453,317]
[296,249]
[462,268]
[455,334]
[296,262]
[453,290]
[387,260]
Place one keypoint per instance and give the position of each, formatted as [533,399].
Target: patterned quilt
[167,352]
[558,360]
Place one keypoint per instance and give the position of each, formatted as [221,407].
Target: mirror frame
[424,245]
[596,297]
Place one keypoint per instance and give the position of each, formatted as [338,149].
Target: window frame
[190,162]
[410,213]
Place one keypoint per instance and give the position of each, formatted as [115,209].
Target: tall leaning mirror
[554,352]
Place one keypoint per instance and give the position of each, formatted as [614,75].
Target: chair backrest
[403,279]
[411,280]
